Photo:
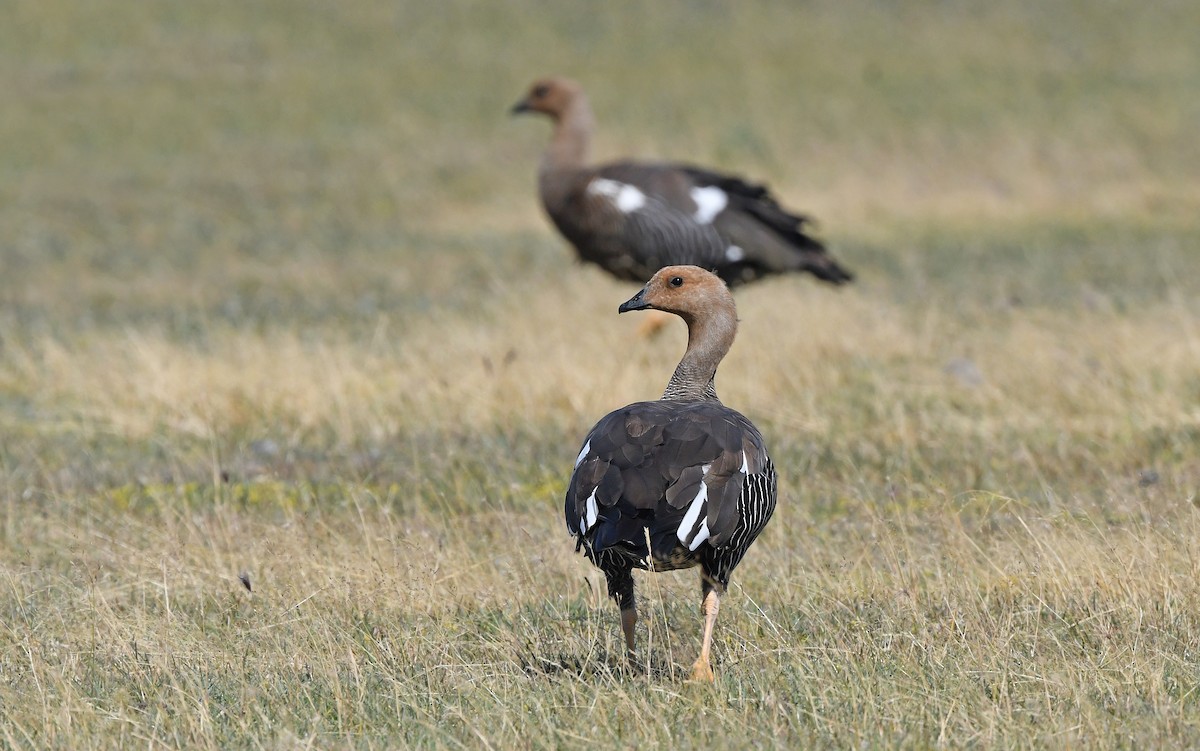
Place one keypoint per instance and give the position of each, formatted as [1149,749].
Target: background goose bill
[637,302]
[520,107]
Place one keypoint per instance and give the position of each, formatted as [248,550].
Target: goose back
[694,475]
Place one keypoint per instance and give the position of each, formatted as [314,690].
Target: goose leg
[628,621]
[702,670]
[620,588]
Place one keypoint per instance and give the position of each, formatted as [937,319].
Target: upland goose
[633,218]
[678,482]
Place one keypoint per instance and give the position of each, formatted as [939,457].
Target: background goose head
[549,96]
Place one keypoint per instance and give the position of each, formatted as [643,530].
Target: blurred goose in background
[633,218]
[678,482]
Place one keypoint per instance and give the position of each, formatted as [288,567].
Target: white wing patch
[625,197]
[693,515]
[582,453]
[745,464]
[733,254]
[593,512]
[709,201]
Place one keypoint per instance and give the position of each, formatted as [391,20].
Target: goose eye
[541,91]
[677,281]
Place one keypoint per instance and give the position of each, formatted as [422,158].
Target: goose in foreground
[678,482]
[633,218]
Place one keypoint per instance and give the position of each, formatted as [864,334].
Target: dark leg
[628,621]
[620,588]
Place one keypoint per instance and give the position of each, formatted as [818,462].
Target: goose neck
[709,340]
[570,145]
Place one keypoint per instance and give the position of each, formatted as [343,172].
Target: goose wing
[673,469]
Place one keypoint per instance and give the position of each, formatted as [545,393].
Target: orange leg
[702,670]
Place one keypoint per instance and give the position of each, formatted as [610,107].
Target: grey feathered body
[750,237]
[691,477]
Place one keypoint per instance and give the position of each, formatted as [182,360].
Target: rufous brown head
[549,96]
[687,291]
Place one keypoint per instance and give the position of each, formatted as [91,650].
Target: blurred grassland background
[276,296]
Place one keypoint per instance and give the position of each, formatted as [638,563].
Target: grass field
[276,300]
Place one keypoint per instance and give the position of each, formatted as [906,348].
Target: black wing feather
[645,464]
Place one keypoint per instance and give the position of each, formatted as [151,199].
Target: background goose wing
[639,219]
[772,238]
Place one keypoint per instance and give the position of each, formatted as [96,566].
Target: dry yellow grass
[800,345]
[953,561]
